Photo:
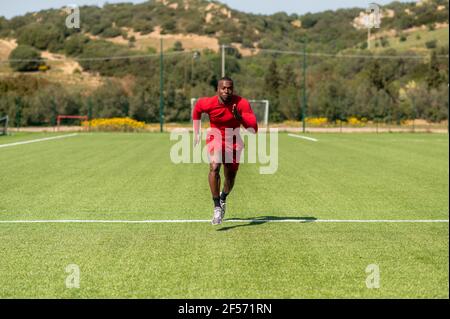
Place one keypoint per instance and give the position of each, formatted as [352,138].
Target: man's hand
[196,139]
[235,112]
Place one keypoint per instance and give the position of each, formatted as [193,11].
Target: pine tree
[434,78]
[272,79]
[272,82]
[375,75]
[289,77]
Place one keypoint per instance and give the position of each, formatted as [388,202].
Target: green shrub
[178,46]
[25,59]
[111,32]
[41,36]
[384,42]
[168,27]
[142,26]
[75,44]
[431,44]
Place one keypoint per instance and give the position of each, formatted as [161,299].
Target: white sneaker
[223,205]
[217,218]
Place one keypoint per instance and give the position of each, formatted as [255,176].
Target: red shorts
[226,156]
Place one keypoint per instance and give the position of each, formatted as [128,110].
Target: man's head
[225,89]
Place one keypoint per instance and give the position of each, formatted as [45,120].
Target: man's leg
[214,185]
[214,179]
[230,169]
[230,172]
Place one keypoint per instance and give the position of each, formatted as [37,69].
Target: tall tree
[272,79]
[272,82]
[289,78]
[434,78]
[375,75]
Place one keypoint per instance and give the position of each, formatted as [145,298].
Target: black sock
[216,201]
[223,196]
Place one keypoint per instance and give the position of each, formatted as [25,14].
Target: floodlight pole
[373,20]
[161,88]
[414,113]
[89,101]
[223,60]
[194,58]
[18,115]
[304,87]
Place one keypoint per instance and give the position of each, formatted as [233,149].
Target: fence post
[161,88]
[304,87]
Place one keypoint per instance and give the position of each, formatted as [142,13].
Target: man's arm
[196,118]
[245,115]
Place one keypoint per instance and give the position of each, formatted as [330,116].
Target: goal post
[261,110]
[259,107]
[4,125]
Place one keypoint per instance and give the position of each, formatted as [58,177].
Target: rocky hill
[97,69]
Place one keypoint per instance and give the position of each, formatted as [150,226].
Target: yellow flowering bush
[357,122]
[115,125]
[290,123]
[317,121]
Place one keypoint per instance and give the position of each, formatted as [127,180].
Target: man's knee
[231,169]
[214,168]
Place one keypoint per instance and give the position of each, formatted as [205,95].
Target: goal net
[259,107]
[4,125]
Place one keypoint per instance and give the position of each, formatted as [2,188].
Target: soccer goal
[259,107]
[4,125]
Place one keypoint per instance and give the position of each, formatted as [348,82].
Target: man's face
[225,90]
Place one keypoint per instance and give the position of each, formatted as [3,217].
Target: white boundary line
[38,140]
[173,221]
[304,137]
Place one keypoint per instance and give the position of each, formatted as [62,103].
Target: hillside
[103,60]
[61,69]
[203,24]
[126,29]
[414,39]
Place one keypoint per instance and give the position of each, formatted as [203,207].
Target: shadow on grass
[254,221]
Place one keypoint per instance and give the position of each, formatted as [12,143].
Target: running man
[227,112]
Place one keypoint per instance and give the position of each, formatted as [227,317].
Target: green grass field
[107,176]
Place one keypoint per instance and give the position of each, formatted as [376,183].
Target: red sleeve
[197,115]
[248,117]
[198,110]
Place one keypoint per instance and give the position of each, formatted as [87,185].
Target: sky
[10,8]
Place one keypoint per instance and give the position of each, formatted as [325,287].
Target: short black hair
[226,78]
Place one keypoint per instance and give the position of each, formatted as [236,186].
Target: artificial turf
[115,176]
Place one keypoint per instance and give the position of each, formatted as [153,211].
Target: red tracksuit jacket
[221,118]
